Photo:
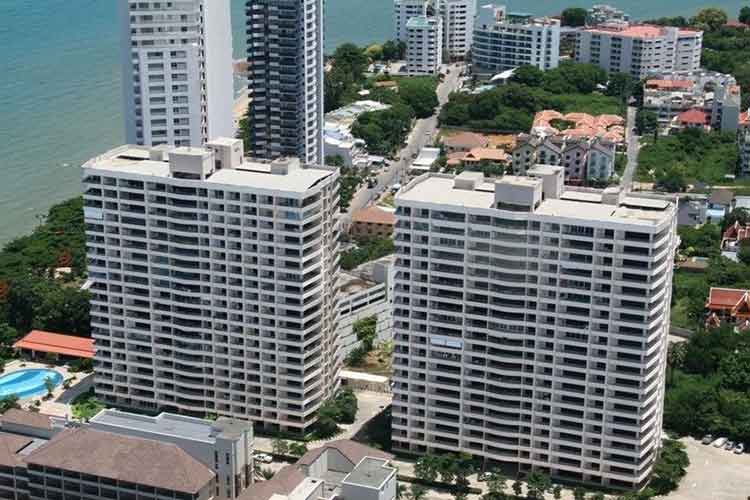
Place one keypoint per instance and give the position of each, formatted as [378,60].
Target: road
[633,148]
[418,138]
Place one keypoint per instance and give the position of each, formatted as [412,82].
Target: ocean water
[60,84]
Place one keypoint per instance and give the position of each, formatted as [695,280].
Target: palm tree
[266,474]
[401,491]
[417,492]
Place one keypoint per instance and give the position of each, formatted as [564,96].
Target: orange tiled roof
[670,84]
[693,116]
[57,343]
[491,154]
[724,298]
[374,215]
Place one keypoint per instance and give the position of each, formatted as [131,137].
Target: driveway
[713,474]
[422,134]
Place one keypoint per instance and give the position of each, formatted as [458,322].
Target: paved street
[633,148]
[421,135]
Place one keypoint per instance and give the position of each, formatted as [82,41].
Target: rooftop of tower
[542,192]
[221,162]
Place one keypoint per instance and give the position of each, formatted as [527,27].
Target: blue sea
[60,84]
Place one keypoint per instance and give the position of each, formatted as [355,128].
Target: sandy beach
[240,108]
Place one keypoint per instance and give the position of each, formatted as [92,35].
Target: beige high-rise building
[213,282]
[530,324]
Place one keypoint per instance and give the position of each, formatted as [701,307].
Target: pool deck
[59,404]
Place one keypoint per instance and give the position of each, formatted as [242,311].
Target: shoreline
[239,109]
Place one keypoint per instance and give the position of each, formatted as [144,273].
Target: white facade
[458,25]
[424,45]
[503,41]
[285,79]
[601,14]
[214,282]
[640,50]
[530,324]
[403,10]
[177,71]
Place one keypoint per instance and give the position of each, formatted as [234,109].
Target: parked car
[263,458]
[739,449]
[720,442]
[729,446]
[707,439]
[483,476]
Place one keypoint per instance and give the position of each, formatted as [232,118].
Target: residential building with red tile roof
[733,236]
[372,222]
[728,305]
[692,118]
[464,142]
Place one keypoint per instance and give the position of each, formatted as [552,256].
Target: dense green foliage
[511,108]
[646,122]
[30,296]
[419,94]
[86,406]
[365,251]
[365,330]
[345,77]
[350,179]
[341,408]
[573,16]
[689,156]
[708,386]
[670,468]
[8,402]
[703,241]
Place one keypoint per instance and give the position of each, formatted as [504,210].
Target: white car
[739,449]
[720,442]
[263,458]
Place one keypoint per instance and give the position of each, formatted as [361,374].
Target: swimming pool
[27,383]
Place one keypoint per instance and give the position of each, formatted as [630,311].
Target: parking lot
[714,474]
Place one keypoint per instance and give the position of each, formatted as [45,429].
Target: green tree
[49,385]
[463,468]
[356,356]
[447,467]
[744,252]
[538,484]
[744,16]
[427,467]
[620,85]
[741,215]
[8,402]
[374,52]
[517,487]
[417,492]
[669,468]
[528,74]
[573,16]
[710,19]
[597,496]
[646,122]
[734,371]
[420,94]
[579,493]
[280,446]
[297,449]
[352,59]
[496,482]
[266,474]
[557,492]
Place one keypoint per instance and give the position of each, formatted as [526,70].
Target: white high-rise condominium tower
[285,82]
[458,25]
[177,71]
[424,45]
[403,10]
[213,282]
[530,324]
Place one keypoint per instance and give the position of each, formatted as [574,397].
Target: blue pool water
[27,383]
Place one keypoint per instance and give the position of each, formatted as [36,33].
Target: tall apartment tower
[403,10]
[505,40]
[285,82]
[530,324]
[213,282]
[458,25]
[424,45]
[177,71]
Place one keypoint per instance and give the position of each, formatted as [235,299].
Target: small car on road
[707,439]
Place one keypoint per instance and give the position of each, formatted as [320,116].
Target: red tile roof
[693,116]
[57,343]
[670,84]
[724,298]
[374,215]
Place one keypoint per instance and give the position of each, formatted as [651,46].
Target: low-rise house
[694,118]
[692,210]
[728,305]
[343,470]
[464,142]
[669,94]
[720,203]
[40,344]
[372,222]
[733,236]
[478,156]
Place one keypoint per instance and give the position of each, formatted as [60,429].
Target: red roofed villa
[38,343]
[728,305]
[692,118]
[733,235]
